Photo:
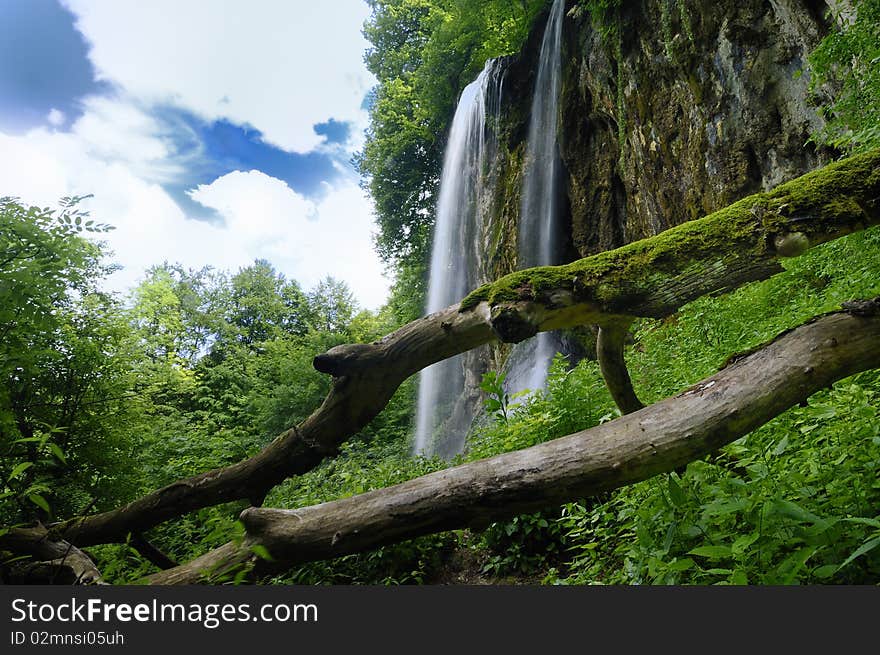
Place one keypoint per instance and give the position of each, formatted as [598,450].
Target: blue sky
[210,132]
[44,65]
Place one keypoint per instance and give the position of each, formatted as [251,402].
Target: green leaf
[741,544]
[40,502]
[28,440]
[861,550]
[874,523]
[792,564]
[781,446]
[19,468]
[711,552]
[681,564]
[261,551]
[56,450]
[794,511]
[739,577]
[676,493]
[826,571]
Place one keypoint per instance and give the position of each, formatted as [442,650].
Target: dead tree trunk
[51,561]
[650,278]
[750,391]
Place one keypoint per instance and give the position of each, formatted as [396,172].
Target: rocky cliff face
[699,104]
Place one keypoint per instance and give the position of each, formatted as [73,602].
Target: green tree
[262,304]
[848,60]
[157,315]
[64,366]
[331,306]
[423,53]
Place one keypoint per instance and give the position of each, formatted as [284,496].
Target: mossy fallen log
[653,277]
[741,397]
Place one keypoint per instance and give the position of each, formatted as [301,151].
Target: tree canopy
[423,53]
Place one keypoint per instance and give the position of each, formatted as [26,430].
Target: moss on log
[653,277]
[740,243]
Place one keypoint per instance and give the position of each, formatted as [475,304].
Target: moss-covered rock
[713,109]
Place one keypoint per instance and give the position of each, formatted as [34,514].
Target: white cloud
[115,129]
[264,218]
[56,117]
[111,131]
[278,66]
[305,239]
[281,66]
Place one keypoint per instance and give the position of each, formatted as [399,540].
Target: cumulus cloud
[137,147]
[263,217]
[314,239]
[56,117]
[260,63]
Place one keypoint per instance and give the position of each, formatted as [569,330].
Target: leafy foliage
[102,400]
[64,355]
[423,53]
[794,501]
[848,60]
[361,466]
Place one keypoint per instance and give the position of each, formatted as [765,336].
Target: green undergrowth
[796,501]
[361,466]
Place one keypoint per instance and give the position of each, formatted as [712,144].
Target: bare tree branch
[741,397]
[652,278]
[609,351]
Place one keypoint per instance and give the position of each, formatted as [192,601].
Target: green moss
[687,22]
[604,15]
[825,195]
[696,88]
[745,228]
[666,28]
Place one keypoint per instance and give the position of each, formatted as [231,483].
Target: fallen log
[649,278]
[51,561]
[749,392]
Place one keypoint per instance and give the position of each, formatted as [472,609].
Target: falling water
[539,227]
[443,415]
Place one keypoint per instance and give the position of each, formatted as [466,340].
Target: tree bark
[649,278]
[750,391]
[609,352]
[52,561]
[152,554]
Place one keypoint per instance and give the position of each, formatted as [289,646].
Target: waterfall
[444,412]
[538,239]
